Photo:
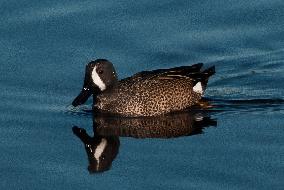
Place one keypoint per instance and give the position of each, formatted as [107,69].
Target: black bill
[88,88]
[82,97]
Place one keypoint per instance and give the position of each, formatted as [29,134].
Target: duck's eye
[100,72]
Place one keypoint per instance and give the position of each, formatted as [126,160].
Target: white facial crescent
[97,79]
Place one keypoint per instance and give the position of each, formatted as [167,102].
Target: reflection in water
[247,105]
[103,147]
[174,125]
[101,150]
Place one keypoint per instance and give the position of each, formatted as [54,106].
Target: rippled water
[44,47]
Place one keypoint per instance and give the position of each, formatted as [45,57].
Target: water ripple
[250,105]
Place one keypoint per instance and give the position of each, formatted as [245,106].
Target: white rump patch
[97,79]
[198,88]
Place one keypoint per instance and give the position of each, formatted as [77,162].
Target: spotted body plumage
[151,93]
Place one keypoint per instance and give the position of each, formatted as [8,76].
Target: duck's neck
[109,88]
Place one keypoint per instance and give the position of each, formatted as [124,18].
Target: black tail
[206,74]
[203,76]
[209,72]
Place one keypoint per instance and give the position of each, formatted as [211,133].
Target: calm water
[44,47]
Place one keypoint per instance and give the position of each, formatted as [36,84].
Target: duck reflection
[103,147]
[101,150]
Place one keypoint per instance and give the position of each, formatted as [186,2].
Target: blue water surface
[45,45]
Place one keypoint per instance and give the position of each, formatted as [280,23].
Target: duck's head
[100,75]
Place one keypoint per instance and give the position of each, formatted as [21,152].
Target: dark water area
[236,144]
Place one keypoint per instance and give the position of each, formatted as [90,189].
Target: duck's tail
[207,73]
[201,79]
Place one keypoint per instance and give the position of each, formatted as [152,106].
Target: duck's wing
[175,70]
[182,70]
[195,76]
[189,73]
[192,73]
[197,80]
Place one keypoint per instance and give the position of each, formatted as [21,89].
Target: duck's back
[155,92]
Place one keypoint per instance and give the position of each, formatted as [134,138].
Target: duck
[146,93]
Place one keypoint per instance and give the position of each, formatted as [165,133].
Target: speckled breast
[148,97]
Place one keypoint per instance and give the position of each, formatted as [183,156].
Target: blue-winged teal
[146,93]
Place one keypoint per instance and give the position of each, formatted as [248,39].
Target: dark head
[99,76]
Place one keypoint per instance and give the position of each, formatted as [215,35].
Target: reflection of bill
[103,147]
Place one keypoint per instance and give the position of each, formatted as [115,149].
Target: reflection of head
[101,150]
[102,154]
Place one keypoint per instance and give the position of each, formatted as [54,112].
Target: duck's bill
[82,97]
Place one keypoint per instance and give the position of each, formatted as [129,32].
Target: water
[44,47]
